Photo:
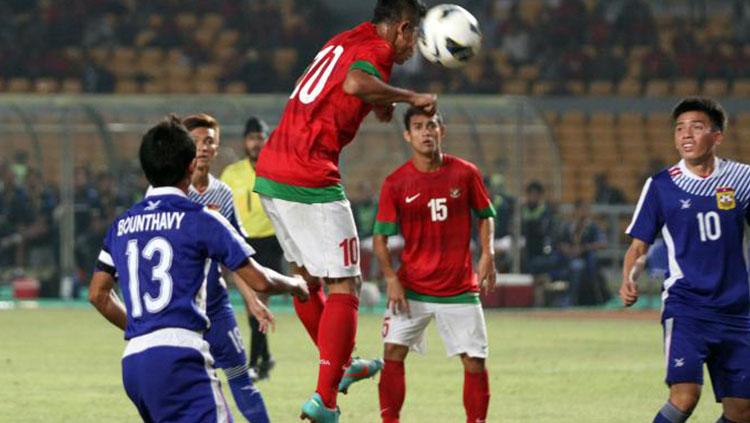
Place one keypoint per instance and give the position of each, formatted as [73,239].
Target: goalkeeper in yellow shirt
[240,176]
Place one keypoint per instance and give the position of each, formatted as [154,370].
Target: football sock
[310,311]
[476,396]
[671,414]
[246,395]
[392,390]
[723,419]
[338,330]
[258,343]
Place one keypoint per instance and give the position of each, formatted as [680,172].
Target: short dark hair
[416,111]
[201,120]
[535,186]
[702,104]
[396,10]
[166,152]
[255,124]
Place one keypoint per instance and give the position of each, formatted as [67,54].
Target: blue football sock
[671,414]
[246,395]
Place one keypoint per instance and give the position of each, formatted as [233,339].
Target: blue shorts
[725,349]
[169,376]
[225,342]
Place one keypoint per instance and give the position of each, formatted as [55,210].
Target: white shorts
[461,326]
[321,237]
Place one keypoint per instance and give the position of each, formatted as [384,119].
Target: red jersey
[433,211]
[300,161]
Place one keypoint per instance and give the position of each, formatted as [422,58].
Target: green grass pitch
[63,365]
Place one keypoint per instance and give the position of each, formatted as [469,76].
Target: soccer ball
[449,36]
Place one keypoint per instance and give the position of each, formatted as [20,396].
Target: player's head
[401,19]
[254,136]
[699,125]
[423,132]
[534,193]
[167,154]
[206,133]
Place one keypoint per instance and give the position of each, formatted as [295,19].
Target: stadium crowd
[558,246]
[262,46]
[30,218]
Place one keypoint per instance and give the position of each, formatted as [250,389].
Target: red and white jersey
[320,119]
[433,212]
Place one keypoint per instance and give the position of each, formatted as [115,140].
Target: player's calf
[248,398]
[669,413]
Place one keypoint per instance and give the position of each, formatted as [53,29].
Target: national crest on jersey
[703,223]
[725,198]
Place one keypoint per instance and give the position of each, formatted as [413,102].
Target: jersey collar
[211,183]
[155,192]
[718,170]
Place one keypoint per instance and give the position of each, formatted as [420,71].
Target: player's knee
[395,352]
[472,364]
[684,399]
[737,411]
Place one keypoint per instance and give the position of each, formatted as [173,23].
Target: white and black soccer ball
[449,36]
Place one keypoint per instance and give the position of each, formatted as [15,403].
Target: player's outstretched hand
[487,274]
[426,102]
[262,314]
[300,290]
[384,113]
[396,296]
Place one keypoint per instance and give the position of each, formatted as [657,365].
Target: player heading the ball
[300,185]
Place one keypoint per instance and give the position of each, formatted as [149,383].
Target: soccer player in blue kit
[161,251]
[701,207]
[223,336]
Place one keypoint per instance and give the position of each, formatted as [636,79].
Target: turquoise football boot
[359,369]
[315,411]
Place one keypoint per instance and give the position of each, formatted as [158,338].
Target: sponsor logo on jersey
[685,204]
[725,198]
[412,198]
[455,192]
[152,205]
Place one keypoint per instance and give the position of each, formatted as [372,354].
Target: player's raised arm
[629,289]
[372,90]
[103,297]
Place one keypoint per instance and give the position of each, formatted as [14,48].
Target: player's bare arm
[262,279]
[104,298]
[629,289]
[372,90]
[396,296]
[255,306]
[486,266]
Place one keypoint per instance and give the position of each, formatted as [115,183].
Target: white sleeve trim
[638,208]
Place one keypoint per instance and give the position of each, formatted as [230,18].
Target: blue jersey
[217,196]
[702,221]
[161,251]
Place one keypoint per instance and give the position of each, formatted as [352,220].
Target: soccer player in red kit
[431,199]
[300,185]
